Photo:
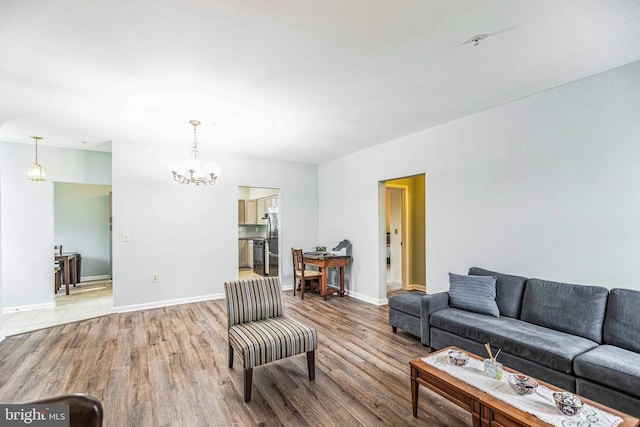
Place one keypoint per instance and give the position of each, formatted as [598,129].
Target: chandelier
[192,170]
[36,172]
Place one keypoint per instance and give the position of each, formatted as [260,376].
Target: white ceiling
[301,80]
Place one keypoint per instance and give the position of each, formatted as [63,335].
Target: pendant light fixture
[192,170]
[36,172]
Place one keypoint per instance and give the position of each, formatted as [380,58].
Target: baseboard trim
[165,303]
[93,278]
[367,299]
[29,307]
[416,287]
[177,301]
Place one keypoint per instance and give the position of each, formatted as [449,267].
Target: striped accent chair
[260,332]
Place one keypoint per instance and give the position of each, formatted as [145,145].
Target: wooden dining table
[68,264]
[324,262]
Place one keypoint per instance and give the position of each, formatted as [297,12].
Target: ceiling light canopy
[192,171]
[36,172]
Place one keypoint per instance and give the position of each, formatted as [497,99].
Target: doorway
[405,228]
[82,224]
[258,232]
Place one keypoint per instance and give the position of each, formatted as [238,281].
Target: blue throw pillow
[473,293]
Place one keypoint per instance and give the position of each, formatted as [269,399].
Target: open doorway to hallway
[82,227]
[405,227]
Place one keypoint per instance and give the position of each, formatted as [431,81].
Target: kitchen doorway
[258,232]
[405,228]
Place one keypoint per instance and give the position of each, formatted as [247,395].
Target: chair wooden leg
[394,329]
[303,284]
[248,377]
[230,356]
[295,284]
[311,364]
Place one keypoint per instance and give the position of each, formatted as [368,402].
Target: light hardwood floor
[168,367]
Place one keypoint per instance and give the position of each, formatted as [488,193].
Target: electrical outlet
[125,237]
[154,278]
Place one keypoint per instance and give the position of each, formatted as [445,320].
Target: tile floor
[246,273]
[89,299]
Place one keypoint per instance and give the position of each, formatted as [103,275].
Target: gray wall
[81,218]
[546,186]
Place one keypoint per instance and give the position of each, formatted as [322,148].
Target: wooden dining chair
[301,275]
[260,332]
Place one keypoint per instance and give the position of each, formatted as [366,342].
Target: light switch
[125,237]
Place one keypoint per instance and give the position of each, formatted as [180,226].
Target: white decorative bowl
[522,384]
[458,358]
[568,403]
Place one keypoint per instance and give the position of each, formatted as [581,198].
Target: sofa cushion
[622,323]
[611,366]
[509,291]
[547,347]
[408,303]
[473,293]
[574,309]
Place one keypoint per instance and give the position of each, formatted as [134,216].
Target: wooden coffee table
[485,409]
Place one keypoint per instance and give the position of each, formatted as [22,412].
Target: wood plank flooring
[168,367]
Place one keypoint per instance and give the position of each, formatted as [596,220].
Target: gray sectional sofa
[585,339]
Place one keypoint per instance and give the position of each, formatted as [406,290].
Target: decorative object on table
[458,358]
[492,368]
[343,249]
[321,248]
[36,172]
[192,170]
[568,403]
[522,384]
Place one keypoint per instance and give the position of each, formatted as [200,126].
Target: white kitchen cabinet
[262,208]
[250,214]
[273,201]
[245,253]
[241,211]
[254,210]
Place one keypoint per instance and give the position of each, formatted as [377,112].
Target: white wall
[546,186]
[188,235]
[26,217]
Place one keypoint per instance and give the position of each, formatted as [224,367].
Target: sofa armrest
[430,303]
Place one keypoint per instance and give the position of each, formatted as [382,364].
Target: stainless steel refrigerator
[271,250]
